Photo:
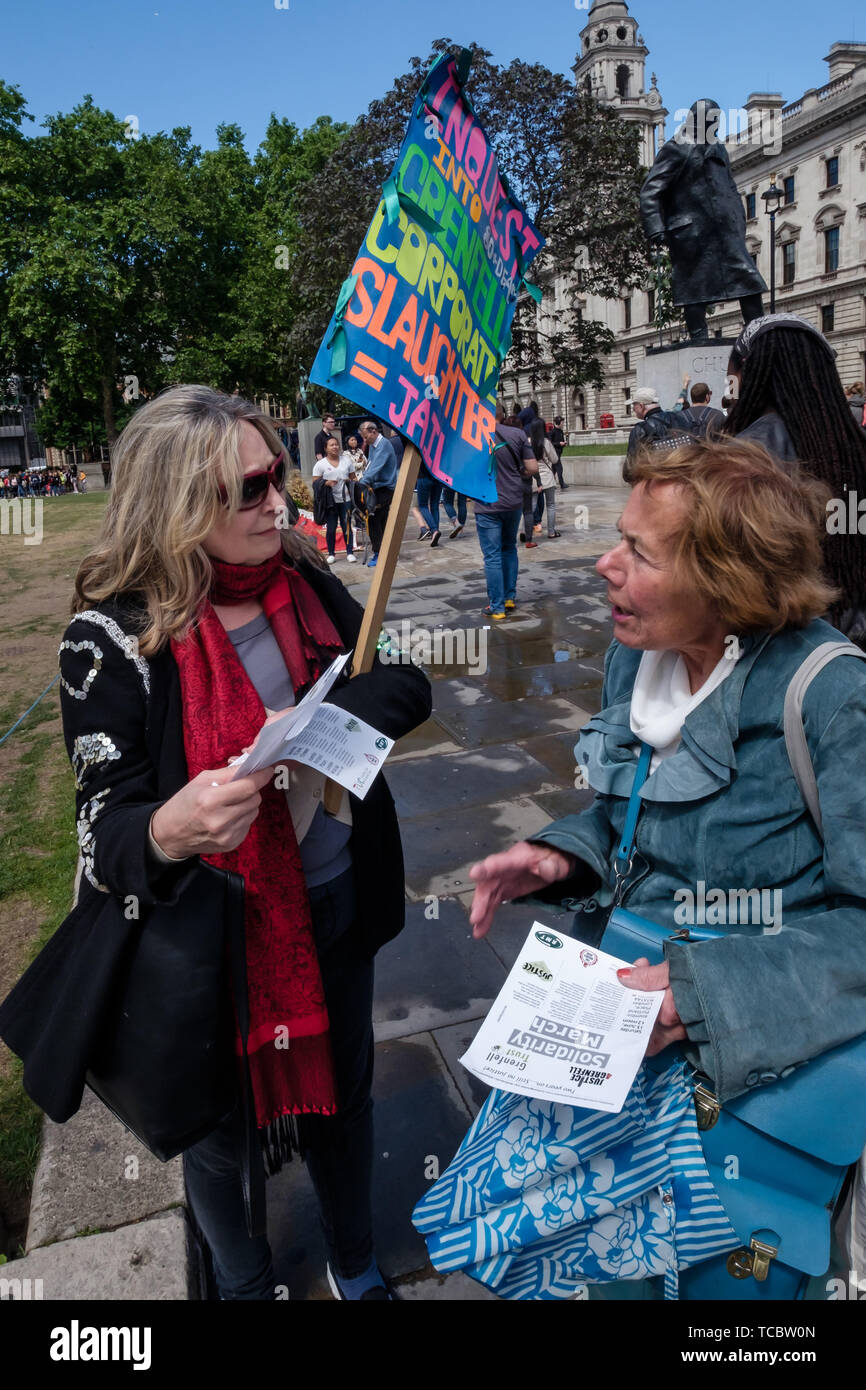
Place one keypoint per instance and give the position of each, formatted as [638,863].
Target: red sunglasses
[255,485]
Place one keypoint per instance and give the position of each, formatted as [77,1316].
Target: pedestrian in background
[700,419]
[857,401]
[429,494]
[545,456]
[328,431]
[497,522]
[773,360]
[335,470]
[450,498]
[381,476]
[557,439]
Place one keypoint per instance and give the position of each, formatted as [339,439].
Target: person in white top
[337,472]
[546,481]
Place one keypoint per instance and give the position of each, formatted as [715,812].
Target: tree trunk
[107,383]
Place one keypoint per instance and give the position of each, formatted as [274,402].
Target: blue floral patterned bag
[542,1198]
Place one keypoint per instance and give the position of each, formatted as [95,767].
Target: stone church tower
[611,67]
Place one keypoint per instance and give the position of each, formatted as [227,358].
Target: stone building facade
[816,148]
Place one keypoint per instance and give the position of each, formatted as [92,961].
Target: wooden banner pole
[383,577]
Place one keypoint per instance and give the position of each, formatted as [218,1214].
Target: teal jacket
[784,983]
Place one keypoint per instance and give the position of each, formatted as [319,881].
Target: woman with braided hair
[790,400]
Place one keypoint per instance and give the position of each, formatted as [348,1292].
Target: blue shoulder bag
[794,1139]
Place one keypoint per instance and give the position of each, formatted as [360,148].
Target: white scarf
[662,699]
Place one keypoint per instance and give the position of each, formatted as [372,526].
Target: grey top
[509,484]
[325,851]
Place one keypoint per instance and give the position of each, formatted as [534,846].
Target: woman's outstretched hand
[522,869]
[668,1026]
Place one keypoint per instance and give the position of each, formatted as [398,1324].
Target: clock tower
[611,67]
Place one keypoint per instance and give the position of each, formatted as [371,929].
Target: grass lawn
[38,850]
[593,450]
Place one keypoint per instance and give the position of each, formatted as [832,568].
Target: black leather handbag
[164,1058]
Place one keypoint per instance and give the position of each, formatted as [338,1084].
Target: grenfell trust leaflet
[563,1028]
[322,736]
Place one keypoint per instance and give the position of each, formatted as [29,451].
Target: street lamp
[772,202]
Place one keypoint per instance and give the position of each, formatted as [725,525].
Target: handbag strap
[622,863]
[795,734]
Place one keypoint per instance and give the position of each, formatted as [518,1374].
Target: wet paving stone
[563,803]
[459,692]
[452,1043]
[418,1114]
[512,922]
[508,721]
[556,752]
[434,973]
[552,678]
[451,782]
[440,849]
[429,737]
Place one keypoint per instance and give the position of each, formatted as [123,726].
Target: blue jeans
[449,496]
[497,533]
[429,493]
[339,1149]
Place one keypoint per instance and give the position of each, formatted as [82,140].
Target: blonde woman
[209,613]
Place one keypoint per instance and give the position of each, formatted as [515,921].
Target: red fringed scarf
[289,1050]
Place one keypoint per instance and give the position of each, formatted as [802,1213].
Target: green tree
[573,164]
[86,286]
[595,246]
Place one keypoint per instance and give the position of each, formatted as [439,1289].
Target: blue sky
[199,62]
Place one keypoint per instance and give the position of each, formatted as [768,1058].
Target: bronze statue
[689,200]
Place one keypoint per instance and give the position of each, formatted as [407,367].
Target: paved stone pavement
[493,764]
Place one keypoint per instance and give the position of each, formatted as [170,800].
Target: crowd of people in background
[43,482]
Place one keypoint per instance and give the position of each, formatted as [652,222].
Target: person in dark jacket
[653,423]
[790,400]
[328,431]
[527,415]
[557,439]
[689,200]
[197,616]
[700,419]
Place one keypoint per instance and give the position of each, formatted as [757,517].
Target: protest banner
[423,321]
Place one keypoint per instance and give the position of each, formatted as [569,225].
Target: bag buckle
[756,1260]
[707,1107]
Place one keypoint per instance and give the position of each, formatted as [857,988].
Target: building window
[750,204]
[828,318]
[650,306]
[626,304]
[789,262]
[831,250]
[626,361]
[832,172]
[789,187]
[622,80]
